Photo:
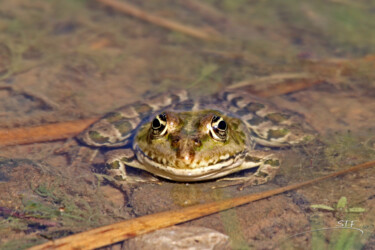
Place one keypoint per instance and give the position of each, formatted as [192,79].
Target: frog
[182,139]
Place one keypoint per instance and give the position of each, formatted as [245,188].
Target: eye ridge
[163,117]
[215,118]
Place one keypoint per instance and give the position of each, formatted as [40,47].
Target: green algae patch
[348,145]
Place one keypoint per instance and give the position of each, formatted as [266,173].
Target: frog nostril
[197,142]
[175,141]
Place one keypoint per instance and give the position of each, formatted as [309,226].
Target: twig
[110,234]
[43,133]
[165,23]
[277,84]
[286,87]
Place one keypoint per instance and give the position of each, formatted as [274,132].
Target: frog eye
[159,125]
[218,128]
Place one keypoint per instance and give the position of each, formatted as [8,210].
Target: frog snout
[186,149]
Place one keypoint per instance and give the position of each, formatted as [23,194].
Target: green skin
[194,141]
[188,145]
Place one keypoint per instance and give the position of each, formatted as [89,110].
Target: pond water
[63,61]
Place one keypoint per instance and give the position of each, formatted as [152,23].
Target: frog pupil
[156,124]
[222,125]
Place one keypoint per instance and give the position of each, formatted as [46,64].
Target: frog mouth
[194,172]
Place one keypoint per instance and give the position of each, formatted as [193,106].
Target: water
[67,60]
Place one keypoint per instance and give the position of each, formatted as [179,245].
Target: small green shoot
[341,207]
